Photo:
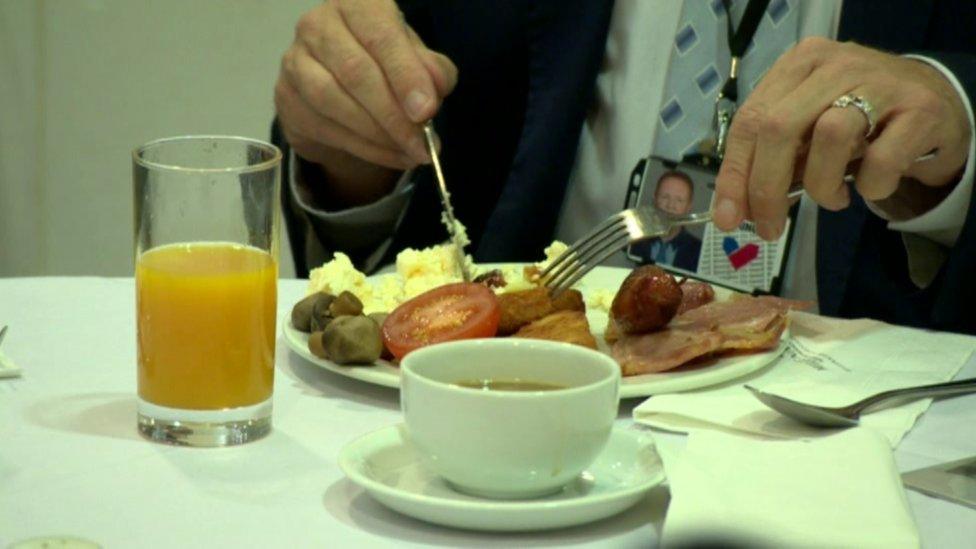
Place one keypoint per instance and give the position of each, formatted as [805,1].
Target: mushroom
[315,345]
[320,312]
[346,304]
[352,340]
[379,318]
[301,313]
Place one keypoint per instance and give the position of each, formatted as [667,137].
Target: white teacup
[509,444]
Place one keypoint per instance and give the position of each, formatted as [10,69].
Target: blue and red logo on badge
[739,256]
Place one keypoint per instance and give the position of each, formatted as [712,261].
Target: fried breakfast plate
[684,378]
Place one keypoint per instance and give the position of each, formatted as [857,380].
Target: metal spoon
[848,416]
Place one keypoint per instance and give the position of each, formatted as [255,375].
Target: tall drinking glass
[206,268]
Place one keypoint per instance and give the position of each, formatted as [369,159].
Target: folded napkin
[7,367]
[830,362]
[842,490]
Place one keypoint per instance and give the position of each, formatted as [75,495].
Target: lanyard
[725,103]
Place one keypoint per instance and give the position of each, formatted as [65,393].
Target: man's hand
[357,83]
[788,131]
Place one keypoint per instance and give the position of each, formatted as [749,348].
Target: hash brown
[525,306]
[566,326]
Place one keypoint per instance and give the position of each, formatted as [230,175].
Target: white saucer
[386,465]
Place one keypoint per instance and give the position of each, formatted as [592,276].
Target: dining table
[73,464]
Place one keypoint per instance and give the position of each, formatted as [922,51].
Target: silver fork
[618,231]
[631,226]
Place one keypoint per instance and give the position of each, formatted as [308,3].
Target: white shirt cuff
[944,222]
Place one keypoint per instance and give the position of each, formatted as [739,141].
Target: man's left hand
[788,131]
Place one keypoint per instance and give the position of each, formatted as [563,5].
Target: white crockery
[509,444]
[389,469]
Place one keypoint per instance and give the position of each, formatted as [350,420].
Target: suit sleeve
[943,222]
[956,288]
[315,231]
[929,237]
[365,233]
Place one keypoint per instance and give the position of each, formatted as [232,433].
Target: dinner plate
[386,465]
[684,378]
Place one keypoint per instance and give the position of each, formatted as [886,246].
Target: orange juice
[206,325]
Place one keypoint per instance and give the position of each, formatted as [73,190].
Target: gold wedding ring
[861,104]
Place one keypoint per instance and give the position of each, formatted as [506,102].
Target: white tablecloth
[72,463]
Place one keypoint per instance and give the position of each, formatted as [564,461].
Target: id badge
[738,259]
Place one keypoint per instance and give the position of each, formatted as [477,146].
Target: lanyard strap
[739,40]
[725,103]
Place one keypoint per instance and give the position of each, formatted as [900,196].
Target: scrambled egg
[417,271]
[459,229]
[422,270]
[601,299]
[515,275]
[338,276]
[554,250]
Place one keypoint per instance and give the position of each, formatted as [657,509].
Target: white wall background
[82,82]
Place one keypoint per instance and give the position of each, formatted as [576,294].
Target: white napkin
[7,367]
[842,490]
[830,362]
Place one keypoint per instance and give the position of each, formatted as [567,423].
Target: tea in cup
[509,418]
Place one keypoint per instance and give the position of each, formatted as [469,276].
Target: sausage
[646,301]
[694,295]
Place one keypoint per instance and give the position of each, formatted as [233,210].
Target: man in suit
[673,193]
[539,81]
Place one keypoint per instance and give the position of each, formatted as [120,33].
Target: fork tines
[587,252]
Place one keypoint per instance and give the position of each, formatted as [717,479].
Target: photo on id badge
[738,259]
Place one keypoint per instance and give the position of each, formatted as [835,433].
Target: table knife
[446,203]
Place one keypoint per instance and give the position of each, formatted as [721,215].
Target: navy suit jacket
[527,72]
[687,249]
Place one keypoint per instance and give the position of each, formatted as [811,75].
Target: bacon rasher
[739,323]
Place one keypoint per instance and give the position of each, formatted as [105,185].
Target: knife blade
[446,203]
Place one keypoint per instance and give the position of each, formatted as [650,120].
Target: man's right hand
[356,86]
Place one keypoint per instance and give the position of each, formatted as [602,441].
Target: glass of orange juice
[206,269]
